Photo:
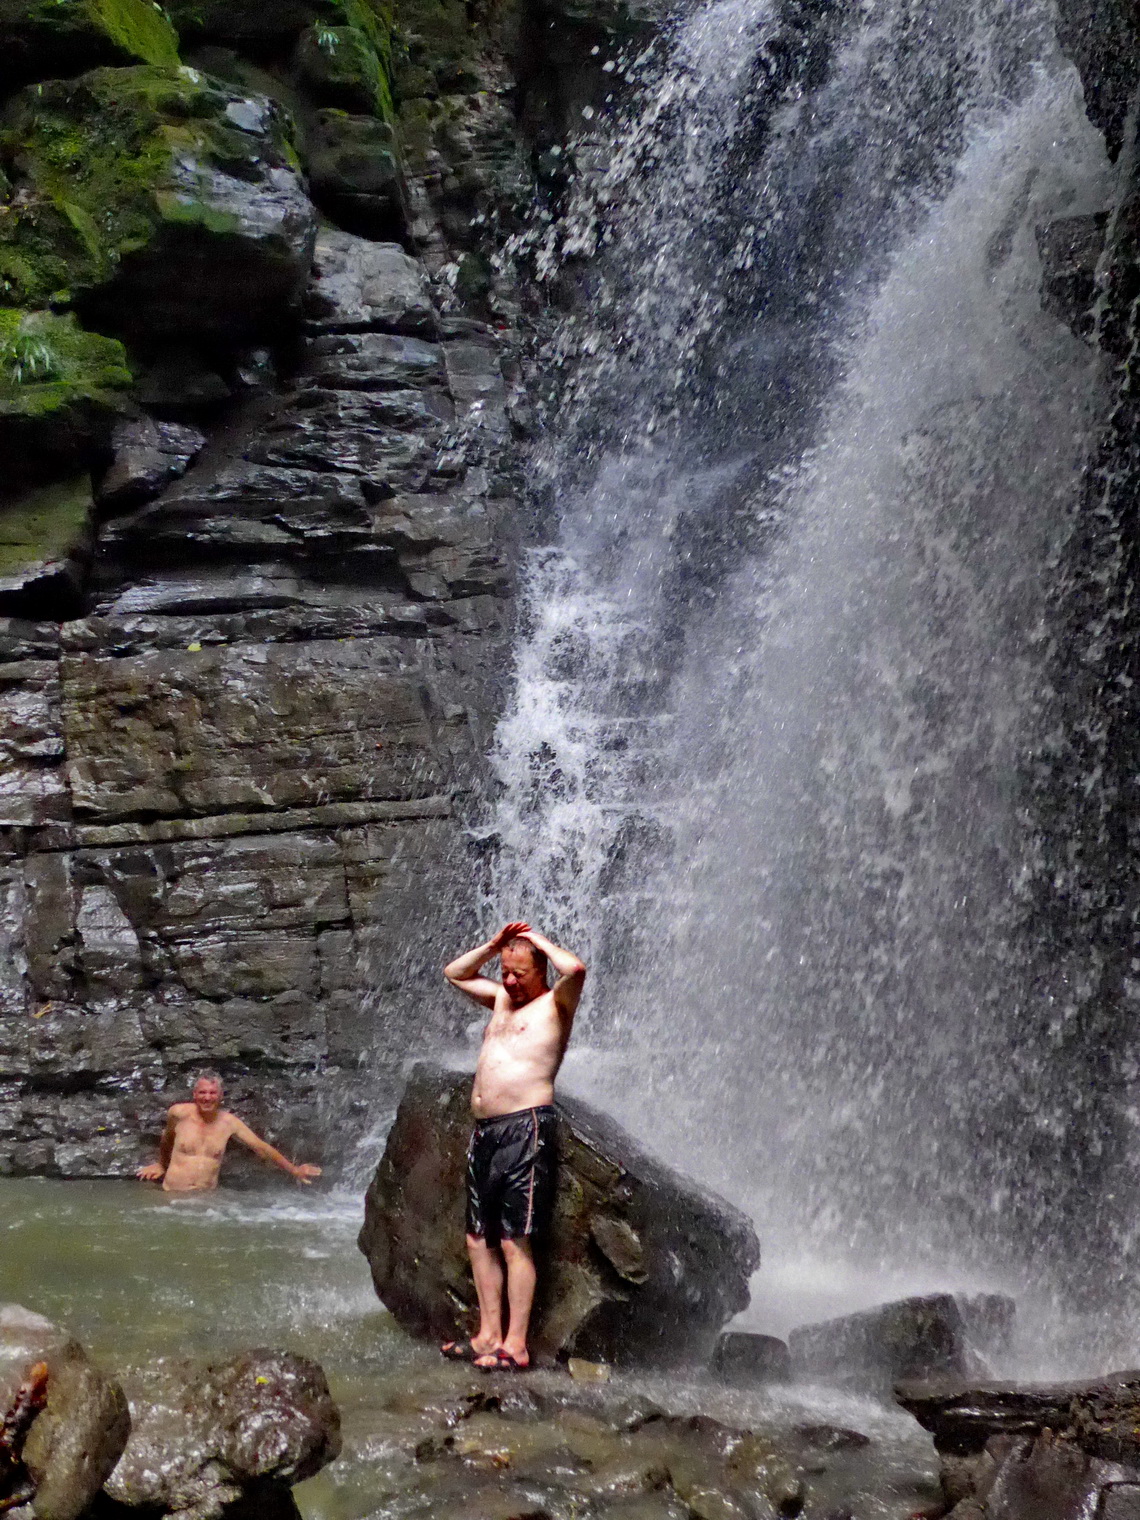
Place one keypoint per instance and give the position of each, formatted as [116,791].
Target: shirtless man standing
[510,1161]
[195,1139]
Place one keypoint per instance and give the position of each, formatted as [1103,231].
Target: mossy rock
[155,200]
[49,38]
[436,50]
[261,26]
[46,536]
[355,174]
[341,67]
[61,388]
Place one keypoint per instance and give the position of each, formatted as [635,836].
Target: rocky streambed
[145,1282]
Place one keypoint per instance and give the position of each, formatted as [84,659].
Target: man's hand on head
[518,930]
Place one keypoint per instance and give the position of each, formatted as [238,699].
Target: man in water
[510,1161]
[195,1139]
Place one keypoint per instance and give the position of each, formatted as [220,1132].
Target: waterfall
[784,680]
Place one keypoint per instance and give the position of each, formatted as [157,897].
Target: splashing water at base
[786,679]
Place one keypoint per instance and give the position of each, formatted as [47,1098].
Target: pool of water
[136,1275]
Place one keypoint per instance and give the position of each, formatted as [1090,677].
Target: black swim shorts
[510,1174]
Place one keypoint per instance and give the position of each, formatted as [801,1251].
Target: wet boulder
[642,1266]
[158,200]
[1031,1450]
[78,1423]
[913,1338]
[747,1360]
[205,1438]
[146,455]
[362,286]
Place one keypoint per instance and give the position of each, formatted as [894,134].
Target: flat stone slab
[642,1265]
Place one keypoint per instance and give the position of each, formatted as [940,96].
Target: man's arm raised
[463,972]
[156,1170]
[262,1149]
[571,971]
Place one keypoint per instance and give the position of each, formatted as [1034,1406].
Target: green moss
[343,67]
[47,523]
[106,161]
[140,28]
[58,35]
[48,363]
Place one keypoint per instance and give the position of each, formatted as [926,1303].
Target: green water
[137,1275]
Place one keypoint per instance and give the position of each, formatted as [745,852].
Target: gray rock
[1070,249]
[361,286]
[148,455]
[202,1439]
[372,361]
[988,1319]
[963,1416]
[694,1252]
[913,1338]
[354,174]
[747,1360]
[75,1441]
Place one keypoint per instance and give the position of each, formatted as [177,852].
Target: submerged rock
[74,1442]
[642,1264]
[203,1439]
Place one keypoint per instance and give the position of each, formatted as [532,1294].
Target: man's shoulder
[180,1110]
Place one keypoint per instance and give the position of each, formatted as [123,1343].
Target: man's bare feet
[504,1360]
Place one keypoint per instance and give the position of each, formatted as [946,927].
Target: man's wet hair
[540,958]
[210,1076]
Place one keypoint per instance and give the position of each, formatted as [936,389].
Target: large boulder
[641,1266]
[939,1335]
[73,1443]
[160,201]
[49,38]
[203,1439]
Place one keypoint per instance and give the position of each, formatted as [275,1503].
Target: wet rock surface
[204,1439]
[1034,1451]
[937,1336]
[71,1446]
[641,1265]
[459,1443]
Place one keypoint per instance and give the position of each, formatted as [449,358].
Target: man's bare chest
[521,1027]
[198,1140]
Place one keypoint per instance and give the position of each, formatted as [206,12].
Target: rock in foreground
[69,1448]
[204,1438]
[642,1265]
[1035,1451]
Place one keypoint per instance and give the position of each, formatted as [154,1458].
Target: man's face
[207,1097]
[521,978]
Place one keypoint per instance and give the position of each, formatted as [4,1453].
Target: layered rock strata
[237,776]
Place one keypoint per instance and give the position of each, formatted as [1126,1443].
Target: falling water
[784,677]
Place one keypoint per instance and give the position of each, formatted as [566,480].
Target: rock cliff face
[261,411]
